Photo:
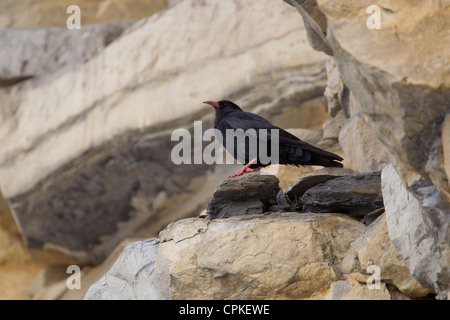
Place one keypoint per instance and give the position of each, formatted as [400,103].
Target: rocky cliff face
[86,130]
[396,92]
[256,253]
[85,160]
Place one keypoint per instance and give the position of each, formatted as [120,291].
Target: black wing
[292,150]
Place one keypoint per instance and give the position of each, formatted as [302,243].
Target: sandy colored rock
[275,256]
[332,127]
[395,89]
[315,24]
[375,248]
[336,92]
[396,79]
[250,270]
[17,268]
[29,13]
[311,114]
[351,289]
[125,278]
[361,146]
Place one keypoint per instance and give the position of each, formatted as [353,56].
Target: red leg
[253,170]
[245,169]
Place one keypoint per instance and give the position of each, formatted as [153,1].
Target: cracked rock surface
[268,256]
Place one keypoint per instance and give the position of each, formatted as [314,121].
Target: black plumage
[292,150]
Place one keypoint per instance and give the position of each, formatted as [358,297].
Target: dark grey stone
[250,193]
[356,195]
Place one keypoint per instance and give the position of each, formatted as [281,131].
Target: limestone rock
[420,235]
[361,146]
[247,194]
[375,248]
[29,13]
[174,2]
[351,289]
[336,92]
[310,114]
[58,48]
[315,24]
[130,276]
[332,126]
[396,80]
[275,256]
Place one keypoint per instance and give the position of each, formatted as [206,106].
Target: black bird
[292,150]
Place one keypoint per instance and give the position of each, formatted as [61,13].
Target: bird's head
[223,105]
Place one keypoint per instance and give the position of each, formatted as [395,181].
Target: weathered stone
[356,195]
[247,194]
[309,180]
[59,47]
[315,24]
[351,289]
[332,127]
[310,114]
[17,268]
[336,92]
[42,289]
[375,248]
[130,278]
[400,87]
[361,146]
[420,234]
[435,167]
[31,14]
[399,91]
[276,256]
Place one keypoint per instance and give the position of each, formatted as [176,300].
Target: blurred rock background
[86,118]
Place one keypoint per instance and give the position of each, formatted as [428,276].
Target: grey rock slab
[131,276]
[419,233]
[247,194]
[312,179]
[356,195]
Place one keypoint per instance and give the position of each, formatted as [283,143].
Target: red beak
[212,103]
